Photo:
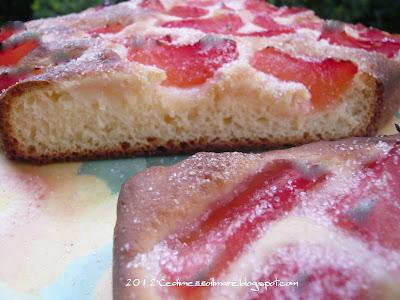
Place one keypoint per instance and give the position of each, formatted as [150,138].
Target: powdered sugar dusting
[134,18]
[327,215]
[220,167]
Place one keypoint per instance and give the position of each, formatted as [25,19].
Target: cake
[161,77]
[319,221]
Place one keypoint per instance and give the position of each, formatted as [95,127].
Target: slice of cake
[319,221]
[147,77]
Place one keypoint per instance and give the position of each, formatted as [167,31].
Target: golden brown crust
[378,115]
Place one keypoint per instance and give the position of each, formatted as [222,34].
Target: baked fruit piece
[325,215]
[146,77]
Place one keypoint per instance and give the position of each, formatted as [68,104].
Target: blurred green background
[384,14]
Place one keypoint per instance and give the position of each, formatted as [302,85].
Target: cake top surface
[322,215]
[189,42]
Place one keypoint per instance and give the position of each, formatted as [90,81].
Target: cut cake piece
[162,77]
[320,219]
